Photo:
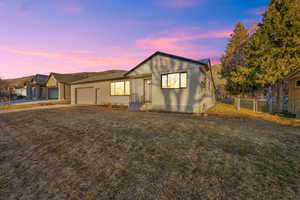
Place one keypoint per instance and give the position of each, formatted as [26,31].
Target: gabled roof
[37,80]
[200,62]
[293,73]
[68,78]
[117,74]
[74,77]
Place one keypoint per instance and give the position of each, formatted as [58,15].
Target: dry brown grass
[226,110]
[32,105]
[97,153]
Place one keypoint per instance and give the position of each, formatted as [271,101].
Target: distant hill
[17,82]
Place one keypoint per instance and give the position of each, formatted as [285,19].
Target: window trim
[166,74]
[124,81]
[296,83]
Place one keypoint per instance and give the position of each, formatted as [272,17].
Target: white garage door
[85,96]
[52,93]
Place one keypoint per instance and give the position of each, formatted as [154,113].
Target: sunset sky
[66,36]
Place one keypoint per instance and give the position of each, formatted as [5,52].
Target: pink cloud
[178,3]
[183,41]
[79,56]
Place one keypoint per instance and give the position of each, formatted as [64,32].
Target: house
[294,92]
[162,82]
[17,86]
[59,85]
[36,87]
[21,91]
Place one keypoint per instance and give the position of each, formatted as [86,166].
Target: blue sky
[68,36]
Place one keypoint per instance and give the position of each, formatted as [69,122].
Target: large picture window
[174,80]
[120,88]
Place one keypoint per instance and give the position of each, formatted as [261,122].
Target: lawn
[97,153]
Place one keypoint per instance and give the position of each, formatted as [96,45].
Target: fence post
[237,103]
[270,102]
[255,105]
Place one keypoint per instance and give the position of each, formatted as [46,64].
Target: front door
[148,90]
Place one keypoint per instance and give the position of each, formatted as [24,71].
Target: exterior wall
[52,82]
[61,91]
[195,98]
[29,92]
[21,91]
[67,92]
[294,95]
[64,90]
[43,93]
[102,91]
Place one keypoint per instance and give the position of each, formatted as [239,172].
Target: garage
[85,96]
[52,93]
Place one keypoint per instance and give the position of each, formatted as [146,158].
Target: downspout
[209,65]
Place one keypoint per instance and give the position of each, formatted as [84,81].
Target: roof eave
[169,55]
[93,81]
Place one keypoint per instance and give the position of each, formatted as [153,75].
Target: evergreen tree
[235,70]
[274,50]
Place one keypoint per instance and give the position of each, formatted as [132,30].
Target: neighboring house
[294,92]
[59,85]
[17,86]
[162,82]
[36,87]
[21,91]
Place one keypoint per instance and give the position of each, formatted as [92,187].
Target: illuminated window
[183,80]
[298,83]
[174,80]
[120,88]
[127,88]
[164,81]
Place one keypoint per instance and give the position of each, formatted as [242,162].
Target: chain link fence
[262,105]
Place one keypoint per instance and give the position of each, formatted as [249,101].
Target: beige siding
[294,94]
[67,92]
[103,94]
[52,82]
[194,98]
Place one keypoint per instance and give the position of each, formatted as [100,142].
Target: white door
[85,96]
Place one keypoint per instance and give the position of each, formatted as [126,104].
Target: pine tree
[234,62]
[238,37]
[274,50]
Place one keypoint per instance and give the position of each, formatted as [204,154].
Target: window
[298,83]
[120,88]
[174,80]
